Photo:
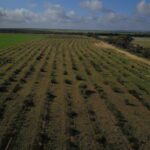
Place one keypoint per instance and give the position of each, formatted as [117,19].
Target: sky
[76,14]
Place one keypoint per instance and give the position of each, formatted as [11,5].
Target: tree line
[126,42]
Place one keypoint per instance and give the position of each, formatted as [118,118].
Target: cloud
[55,16]
[113,17]
[143,8]
[142,16]
[52,16]
[54,13]
[32,4]
[17,15]
[93,5]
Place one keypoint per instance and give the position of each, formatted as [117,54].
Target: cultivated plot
[68,92]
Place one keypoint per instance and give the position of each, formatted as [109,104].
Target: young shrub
[88,71]
[50,96]
[85,91]
[2,109]
[67,81]
[28,103]
[53,81]
[65,72]
[22,81]
[17,88]
[72,114]
[127,102]
[121,80]
[3,88]
[17,71]
[118,90]
[78,77]
[42,70]
[136,94]
[102,140]
[73,132]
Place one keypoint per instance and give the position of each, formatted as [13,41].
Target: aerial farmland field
[143,41]
[7,40]
[71,92]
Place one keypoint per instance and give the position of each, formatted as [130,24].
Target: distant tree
[125,41]
[146,53]
[121,41]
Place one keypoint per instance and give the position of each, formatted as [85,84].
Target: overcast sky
[76,14]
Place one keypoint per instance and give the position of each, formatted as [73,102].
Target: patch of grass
[7,40]
[143,41]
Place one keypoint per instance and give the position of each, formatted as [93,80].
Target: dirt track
[132,56]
